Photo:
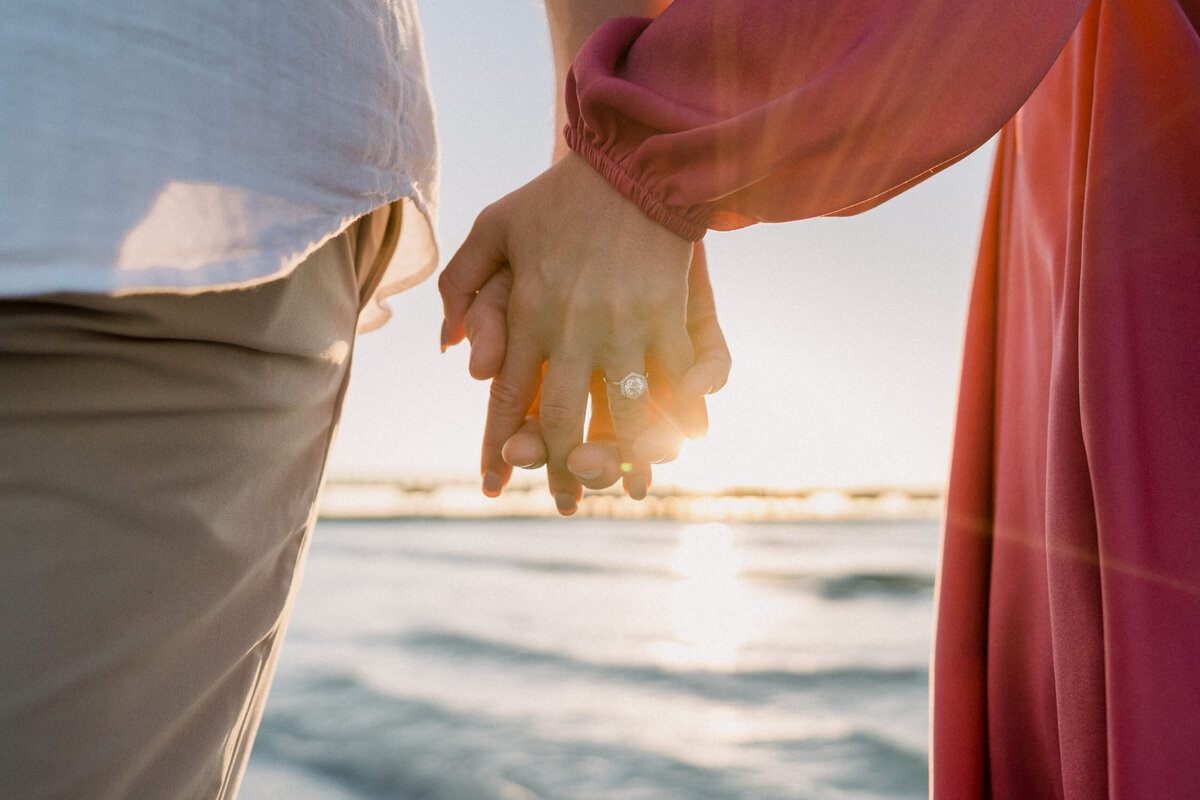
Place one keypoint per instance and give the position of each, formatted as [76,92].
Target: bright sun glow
[709,607]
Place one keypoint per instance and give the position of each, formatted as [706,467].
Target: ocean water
[624,660]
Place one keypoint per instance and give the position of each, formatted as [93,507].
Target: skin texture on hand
[595,285]
[596,463]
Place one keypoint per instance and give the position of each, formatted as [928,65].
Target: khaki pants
[160,459]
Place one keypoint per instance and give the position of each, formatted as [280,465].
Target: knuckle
[556,415]
[483,220]
[471,325]
[626,411]
[623,352]
[523,299]
[579,310]
[448,282]
[505,397]
[495,293]
[480,323]
[676,352]
[488,214]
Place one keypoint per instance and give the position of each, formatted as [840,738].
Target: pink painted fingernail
[637,487]
[492,484]
[566,503]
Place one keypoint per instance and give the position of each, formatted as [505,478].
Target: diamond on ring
[632,386]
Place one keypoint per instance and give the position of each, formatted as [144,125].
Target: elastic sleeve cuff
[624,183]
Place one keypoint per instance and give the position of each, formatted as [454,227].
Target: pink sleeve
[722,113]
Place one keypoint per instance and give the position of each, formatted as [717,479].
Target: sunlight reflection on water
[709,606]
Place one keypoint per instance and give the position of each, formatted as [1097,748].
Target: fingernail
[637,487]
[445,335]
[492,484]
[588,474]
[565,503]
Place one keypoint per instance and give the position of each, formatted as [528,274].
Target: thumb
[479,257]
[710,369]
[486,325]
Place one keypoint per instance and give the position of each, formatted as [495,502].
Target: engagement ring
[632,385]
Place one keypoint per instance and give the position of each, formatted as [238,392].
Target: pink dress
[1067,660]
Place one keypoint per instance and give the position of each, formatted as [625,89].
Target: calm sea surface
[580,659]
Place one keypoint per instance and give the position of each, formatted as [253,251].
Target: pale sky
[846,333]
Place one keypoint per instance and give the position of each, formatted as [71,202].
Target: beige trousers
[160,459]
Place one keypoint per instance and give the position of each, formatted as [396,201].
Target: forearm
[720,113]
[571,22]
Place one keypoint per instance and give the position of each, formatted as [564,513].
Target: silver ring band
[632,386]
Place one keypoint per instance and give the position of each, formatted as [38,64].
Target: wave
[747,686]
[835,587]
[851,586]
[383,746]
[867,763]
[499,561]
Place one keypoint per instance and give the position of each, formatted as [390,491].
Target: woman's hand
[595,284]
[597,463]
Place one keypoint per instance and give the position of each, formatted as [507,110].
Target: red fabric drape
[1068,631]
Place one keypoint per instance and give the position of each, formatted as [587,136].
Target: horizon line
[395,498]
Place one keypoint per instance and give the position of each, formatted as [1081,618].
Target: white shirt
[195,144]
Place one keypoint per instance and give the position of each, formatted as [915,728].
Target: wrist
[688,226]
